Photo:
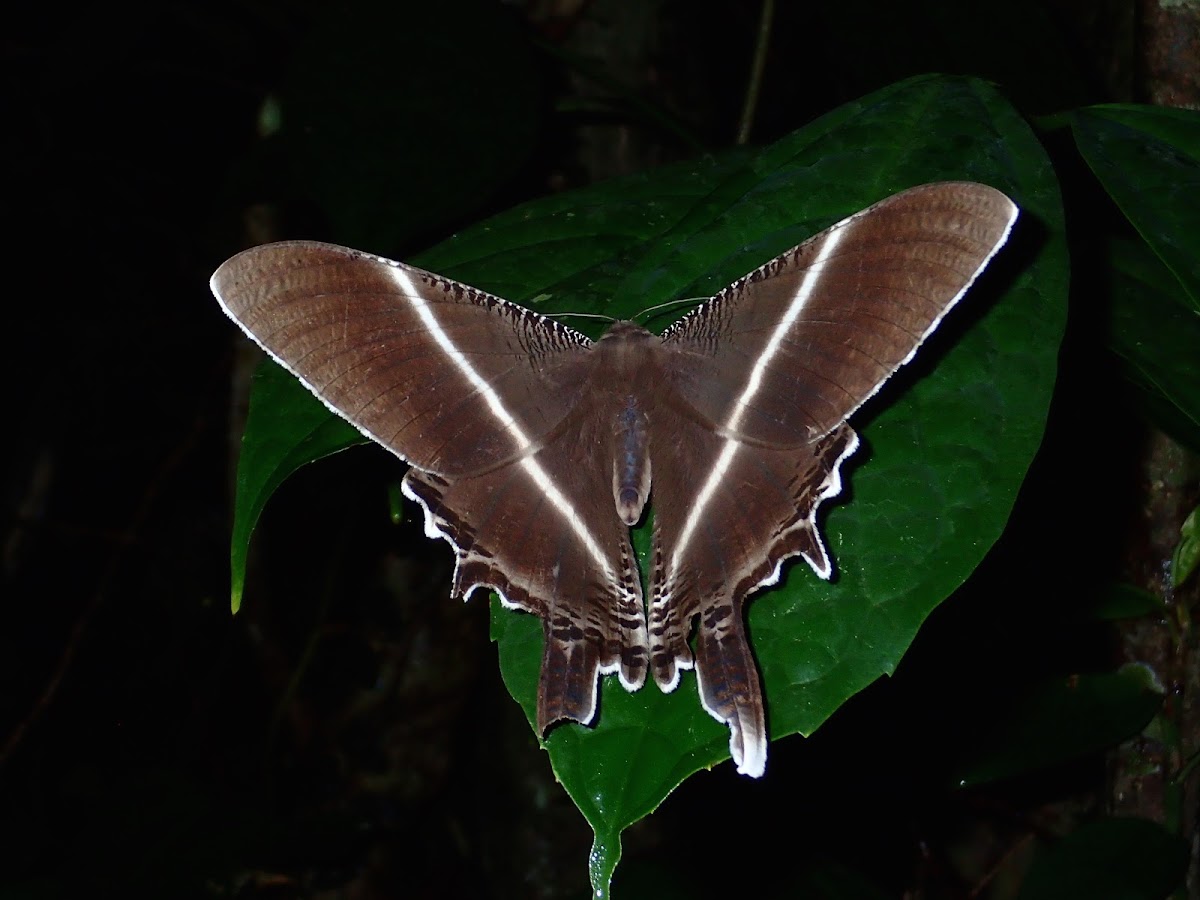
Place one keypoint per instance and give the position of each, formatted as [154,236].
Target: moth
[533,449]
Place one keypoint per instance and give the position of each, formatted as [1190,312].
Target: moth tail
[578,650]
[669,651]
[627,645]
[669,619]
[568,684]
[730,692]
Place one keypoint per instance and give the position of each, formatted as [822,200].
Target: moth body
[524,437]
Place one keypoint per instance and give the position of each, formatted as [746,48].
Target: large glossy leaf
[1113,859]
[1148,159]
[1059,720]
[1155,333]
[946,444]
[286,428]
[946,453]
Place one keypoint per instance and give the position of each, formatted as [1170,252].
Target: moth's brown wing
[726,516]
[764,376]
[543,533]
[476,394]
[451,379]
[785,354]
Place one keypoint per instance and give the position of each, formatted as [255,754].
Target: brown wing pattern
[528,447]
[484,399]
[765,375]
[532,531]
[726,516]
[417,362]
[785,354]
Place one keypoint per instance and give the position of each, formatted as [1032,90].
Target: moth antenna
[658,306]
[581,315]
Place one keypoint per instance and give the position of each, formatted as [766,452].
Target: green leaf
[1156,335]
[1113,859]
[945,458]
[286,428]
[1148,159]
[1060,720]
[1186,558]
[946,444]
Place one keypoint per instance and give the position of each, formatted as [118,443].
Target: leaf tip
[235,594]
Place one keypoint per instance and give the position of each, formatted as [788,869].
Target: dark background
[347,733]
